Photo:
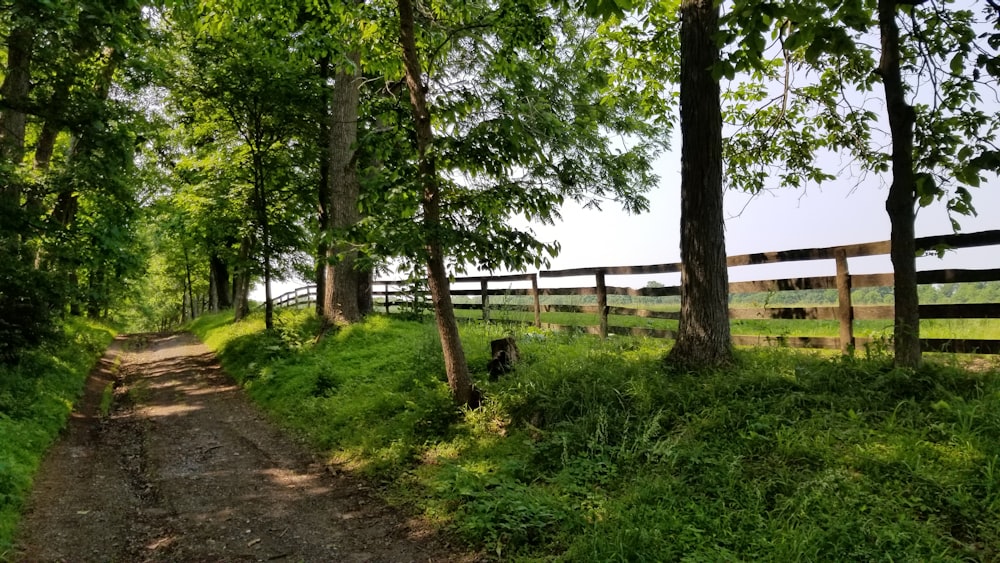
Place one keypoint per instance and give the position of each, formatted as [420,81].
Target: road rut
[185,468]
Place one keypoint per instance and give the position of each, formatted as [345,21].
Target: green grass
[930,328]
[597,451]
[36,397]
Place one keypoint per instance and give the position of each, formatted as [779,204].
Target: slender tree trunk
[67,203]
[366,303]
[213,291]
[265,233]
[189,286]
[323,191]
[220,275]
[703,338]
[95,286]
[13,119]
[456,367]
[902,199]
[241,280]
[341,295]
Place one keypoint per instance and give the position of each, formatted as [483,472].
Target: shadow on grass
[590,451]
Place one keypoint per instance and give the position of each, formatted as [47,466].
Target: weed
[107,398]
[36,397]
[589,451]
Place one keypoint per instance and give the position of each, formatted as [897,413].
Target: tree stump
[505,355]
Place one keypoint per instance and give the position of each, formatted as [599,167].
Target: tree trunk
[188,284]
[901,202]
[213,291]
[260,205]
[366,302]
[455,364]
[241,281]
[323,192]
[13,119]
[703,338]
[219,273]
[341,291]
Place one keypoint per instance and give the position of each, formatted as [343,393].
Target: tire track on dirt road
[185,468]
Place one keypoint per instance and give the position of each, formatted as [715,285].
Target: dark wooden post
[602,303]
[385,287]
[534,295]
[845,310]
[485,293]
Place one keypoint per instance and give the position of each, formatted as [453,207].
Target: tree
[437,276]
[330,38]
[703,338]
[933,66]
[508,114]
[902,197]
[264,101]
[340,303]
[67,197]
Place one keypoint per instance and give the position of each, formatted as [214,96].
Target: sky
[842,211]
[839,212]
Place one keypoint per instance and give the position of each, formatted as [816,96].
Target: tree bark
[260,205]
[456,367]
[340,299]
[241,280]
[901,201]
[703,338]
[13,119]
[220,298]
[366,301]
[188,282]
[323,191]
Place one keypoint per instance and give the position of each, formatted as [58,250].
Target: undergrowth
[36,396]
[596,451]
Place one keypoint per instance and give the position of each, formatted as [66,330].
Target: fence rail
[395,293]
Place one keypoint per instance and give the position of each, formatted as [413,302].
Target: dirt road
[184,468]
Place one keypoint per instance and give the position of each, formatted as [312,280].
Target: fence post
[845,311]
[534,295]
[602,303]
[485,292]
[385,287]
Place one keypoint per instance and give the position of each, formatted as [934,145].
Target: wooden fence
[302,296]
[396,293]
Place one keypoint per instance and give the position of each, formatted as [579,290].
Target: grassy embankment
[595,451]
[36,397]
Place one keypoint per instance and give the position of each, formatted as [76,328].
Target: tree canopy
[158,158]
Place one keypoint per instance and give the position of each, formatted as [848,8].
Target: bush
[29,305]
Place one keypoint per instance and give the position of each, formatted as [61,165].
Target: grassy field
[929,328]
[598,451]
[36,397]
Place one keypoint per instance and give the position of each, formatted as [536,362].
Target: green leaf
[958,63]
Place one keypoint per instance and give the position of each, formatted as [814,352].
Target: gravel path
[185,468]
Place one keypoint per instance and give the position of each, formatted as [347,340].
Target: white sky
[840,212]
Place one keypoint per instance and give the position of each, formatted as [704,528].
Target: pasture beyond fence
[394,294]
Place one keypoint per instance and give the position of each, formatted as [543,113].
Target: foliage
[36,396]
[591,451]
[528,112]
[29,303]
[248,124]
